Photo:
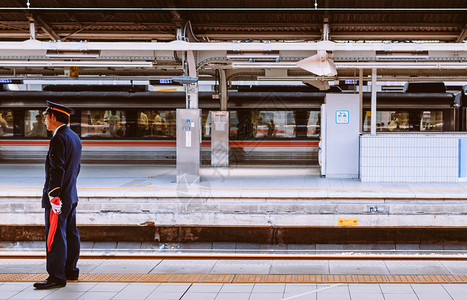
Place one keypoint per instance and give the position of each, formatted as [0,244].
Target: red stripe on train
[234,144]
[273,143]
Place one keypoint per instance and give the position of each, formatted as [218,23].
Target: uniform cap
[59,108]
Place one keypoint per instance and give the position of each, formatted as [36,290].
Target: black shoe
[72,277]
[46,284]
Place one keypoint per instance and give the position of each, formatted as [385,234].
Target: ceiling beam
[462,36]
[46,28]
[240,46]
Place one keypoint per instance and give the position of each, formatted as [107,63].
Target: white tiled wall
[409,158]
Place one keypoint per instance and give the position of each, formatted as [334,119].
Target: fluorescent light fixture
[402,56]
[73,54]
[91,64]
[70,55]
[264,65]
[253,56]
[389,55]
[401,65]
[293,78]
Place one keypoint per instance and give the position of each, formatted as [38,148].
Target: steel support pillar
[189,131]
[373,101]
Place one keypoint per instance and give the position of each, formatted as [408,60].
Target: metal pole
[373,101]
[360,95]
[192,88]
[32,30]
[223,90]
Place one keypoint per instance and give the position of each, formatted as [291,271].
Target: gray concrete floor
[264,267]
[148,181]
[206,291]
[210,291]
[241,181]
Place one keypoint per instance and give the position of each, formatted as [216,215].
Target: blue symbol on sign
[342,117]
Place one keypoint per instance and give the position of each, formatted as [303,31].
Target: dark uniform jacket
[62,167]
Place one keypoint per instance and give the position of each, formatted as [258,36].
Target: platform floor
[224,279]
[26,180]
[237,280]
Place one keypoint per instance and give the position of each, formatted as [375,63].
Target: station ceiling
[241,21]
[213,20]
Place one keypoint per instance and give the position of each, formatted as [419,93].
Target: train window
[103,123]
[34,124]
[274,124]
[233,125]
[405,121]
[432,121]
[6,122]
[157,123]
[314,124]
[388,121]
[206,123]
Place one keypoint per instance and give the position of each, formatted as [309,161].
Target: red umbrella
[53,224]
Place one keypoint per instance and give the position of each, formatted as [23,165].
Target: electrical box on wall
[188,145]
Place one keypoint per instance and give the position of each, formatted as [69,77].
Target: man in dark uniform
[61,168]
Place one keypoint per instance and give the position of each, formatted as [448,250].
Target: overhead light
[253,55]
[401,65]
[66,55]
[264,65]
[320,64]
[91,64]
[383,55]
[72,54]
[293,78]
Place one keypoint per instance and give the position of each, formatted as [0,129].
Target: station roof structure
[430,31]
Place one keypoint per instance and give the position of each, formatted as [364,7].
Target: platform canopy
[255,39]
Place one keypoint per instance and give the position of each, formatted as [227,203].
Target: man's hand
[56,205]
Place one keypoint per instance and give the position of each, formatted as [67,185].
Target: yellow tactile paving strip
[246,278]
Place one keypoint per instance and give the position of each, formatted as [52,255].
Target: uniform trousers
[63,257]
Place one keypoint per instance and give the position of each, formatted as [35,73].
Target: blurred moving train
[268,125]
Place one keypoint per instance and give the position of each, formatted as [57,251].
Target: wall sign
[342,117]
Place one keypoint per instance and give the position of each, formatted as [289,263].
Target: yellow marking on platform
[431,279]
[340,279]
[247,278]
[218,278]
[309,278]
[279,278]
[110,277]
[401,279]
[347,222]
[6,277]
[456,278]
[187,278]
[370,278]
[156,278]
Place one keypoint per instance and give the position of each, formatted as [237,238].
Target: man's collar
[58,128]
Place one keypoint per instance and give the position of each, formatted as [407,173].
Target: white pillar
[191,88]
[373,101]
